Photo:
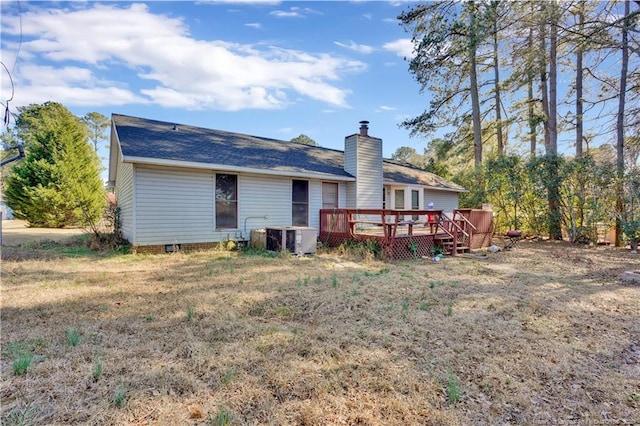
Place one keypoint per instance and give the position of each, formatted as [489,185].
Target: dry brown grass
[543,334]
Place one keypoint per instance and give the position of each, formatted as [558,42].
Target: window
[399,199]
[329,195]
[300,203]
[415,203]
[226,201]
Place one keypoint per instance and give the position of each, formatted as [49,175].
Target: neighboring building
[5,211]
[178,184]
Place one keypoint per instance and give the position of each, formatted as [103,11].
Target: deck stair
[455,234]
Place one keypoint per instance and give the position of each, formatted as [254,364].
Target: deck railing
[395,230]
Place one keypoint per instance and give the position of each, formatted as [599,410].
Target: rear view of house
[179,185]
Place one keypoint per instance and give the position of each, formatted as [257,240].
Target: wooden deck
[405,234]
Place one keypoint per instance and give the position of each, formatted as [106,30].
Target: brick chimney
[363,160]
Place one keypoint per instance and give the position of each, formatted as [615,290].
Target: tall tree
[473,41]
[555,224]
[626,25]
[58,183]
[304,140]
[579,78]
[409,155]
[533,119]
[97,124]
[494,16]
[548,37]
[446,36]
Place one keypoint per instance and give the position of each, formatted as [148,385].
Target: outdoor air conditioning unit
[294,239]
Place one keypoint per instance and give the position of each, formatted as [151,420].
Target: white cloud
[361,48]
[367,16]
[70,85]
[256,25]
[402,47]
[286,14]
[386,108]
[294,12]
[156,54]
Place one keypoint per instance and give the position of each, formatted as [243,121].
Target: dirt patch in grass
[545,333]
[18,233]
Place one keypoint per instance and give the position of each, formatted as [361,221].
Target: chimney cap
[364,128]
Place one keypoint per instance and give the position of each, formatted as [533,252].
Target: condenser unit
[294,239]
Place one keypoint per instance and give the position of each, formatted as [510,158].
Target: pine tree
[58,183]
[447,37]
[96,126]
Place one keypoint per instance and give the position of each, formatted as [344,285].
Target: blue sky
[266,68]
[273,69]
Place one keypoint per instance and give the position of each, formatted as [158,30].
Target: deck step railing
[391,228]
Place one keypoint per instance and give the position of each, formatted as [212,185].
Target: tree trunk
[544,91]
[532,118]
[475,102]
[579,78]
[553,82]
[555,225]
[496,73]
[626,23]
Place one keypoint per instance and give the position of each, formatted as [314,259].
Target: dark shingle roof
[394,172]
[151,139]
[145,138]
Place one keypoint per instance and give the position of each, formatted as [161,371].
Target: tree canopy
[504,74]
[58,183]
[304,140]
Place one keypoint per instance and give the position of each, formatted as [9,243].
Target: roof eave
[235,169]
[435,188]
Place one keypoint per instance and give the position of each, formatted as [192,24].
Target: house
[178,184]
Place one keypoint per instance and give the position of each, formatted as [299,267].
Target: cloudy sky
[274,69]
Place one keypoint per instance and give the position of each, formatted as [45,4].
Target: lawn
[545,333]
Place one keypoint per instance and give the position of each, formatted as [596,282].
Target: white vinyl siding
[174,206]
[260,196]
[442,200]
[342,195]
[124,199]
[363,159]
[369,173]
[315,203]
[351,166]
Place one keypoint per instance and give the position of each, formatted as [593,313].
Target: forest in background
[507,81]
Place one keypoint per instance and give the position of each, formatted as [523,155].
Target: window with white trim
[300,202]
[226,201]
